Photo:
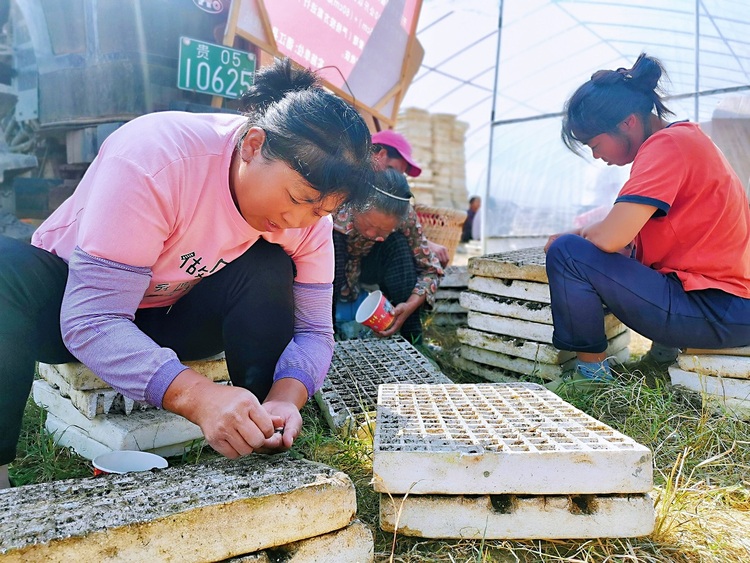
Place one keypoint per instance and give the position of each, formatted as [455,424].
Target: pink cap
[398,142]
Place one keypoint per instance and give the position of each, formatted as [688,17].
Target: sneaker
[576,380]
[660,354]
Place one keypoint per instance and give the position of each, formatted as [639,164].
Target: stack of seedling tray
[438,142]
[257,508]
[722,377]
[349,394]
[86,414]
[448,311]
[504,461]
[509,330]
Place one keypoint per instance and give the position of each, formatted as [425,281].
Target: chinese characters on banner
[343,34]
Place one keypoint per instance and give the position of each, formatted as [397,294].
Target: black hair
[389,150]
[389,193]
[317,134]
[602,103]
[473,198]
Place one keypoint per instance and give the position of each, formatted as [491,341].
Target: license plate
[214,69]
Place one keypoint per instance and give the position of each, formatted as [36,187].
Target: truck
[73,71]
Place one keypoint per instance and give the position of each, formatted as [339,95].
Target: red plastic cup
[127,461]
[375,312]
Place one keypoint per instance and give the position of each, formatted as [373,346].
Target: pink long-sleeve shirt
[151,217]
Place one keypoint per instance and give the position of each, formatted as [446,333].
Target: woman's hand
[287,426]
[401,312]
[621,225]
[231,418]
[285,399]
[440,251]
[556,236]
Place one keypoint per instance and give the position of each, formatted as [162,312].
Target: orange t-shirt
[701,229]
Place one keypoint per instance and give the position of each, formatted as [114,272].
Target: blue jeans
[583,279]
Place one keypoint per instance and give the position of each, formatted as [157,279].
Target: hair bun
[274,82]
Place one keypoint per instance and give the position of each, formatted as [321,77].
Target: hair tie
[625,73]
[374,187]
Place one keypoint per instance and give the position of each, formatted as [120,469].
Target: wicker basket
[442,225]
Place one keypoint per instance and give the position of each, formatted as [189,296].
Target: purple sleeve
[308,355]
[97,326]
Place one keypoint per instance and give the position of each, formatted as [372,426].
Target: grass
[701,463]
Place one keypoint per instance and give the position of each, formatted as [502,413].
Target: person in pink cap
[381,242]
[392,150]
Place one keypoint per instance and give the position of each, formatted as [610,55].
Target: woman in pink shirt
[671,259]
[192,234]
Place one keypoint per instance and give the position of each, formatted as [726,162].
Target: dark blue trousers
[228,311]
[582,278]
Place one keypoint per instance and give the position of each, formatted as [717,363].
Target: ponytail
[599,105]
[273,83]
[314,132]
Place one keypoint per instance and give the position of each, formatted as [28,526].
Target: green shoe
[575,380]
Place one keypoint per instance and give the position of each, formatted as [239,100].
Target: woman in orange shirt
[683,217]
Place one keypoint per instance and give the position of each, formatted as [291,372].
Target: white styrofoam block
[76,374]
[741,351]
[518,517]
[722,395]
[82,378]
[728,406]
[209,511]
[351,544]
[506,307]
[68,436]
[514,363]
[141,430]
[512,346]
[528,330]
[499,438]
[447,294]
[89,402]
[535,351]
[513,289]
[449,307]
[455,276]
[526,264]
[723,387]
[737,367]
[530,367]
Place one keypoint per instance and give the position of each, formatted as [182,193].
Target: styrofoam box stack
[87,415]
[438,143]
[458,166]
[448,162]
[415,124]
[504,461]
[448,311]
[219,510]
[509,330]
[722,377]
[349,394]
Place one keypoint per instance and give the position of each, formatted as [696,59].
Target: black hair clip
[625,73]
